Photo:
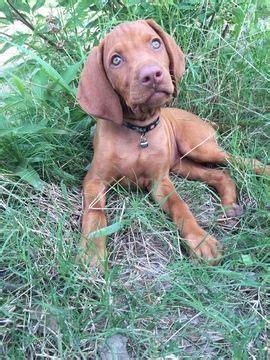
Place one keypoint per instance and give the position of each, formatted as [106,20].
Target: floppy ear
[176,56]
[95,93]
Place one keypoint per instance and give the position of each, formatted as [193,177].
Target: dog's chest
[142,164]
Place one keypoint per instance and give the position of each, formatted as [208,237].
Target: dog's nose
[151,75]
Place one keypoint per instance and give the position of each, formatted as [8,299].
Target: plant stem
[21,18]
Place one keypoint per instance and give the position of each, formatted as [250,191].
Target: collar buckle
[142,130]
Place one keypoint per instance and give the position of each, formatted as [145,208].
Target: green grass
[151,292]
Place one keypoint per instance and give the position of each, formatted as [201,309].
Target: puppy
[125,83]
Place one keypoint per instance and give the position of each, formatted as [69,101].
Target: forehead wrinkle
[128,29]
[122,48]
[124,38]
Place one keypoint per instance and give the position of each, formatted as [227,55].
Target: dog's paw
[205,247]
[234,211]
[263,170]
[230,219]
[90,261]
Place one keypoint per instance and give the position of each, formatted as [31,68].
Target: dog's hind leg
[217,178]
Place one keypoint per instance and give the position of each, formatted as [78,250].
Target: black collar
[142,129]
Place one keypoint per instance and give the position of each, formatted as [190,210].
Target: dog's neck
[141,118]
[142,122]
[142,129]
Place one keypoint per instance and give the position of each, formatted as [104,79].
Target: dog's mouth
[157,97]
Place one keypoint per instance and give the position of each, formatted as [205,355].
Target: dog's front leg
[93,245]
[199,242]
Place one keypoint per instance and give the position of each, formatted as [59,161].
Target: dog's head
[134,69]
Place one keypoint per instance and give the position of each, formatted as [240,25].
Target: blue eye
[156,44]
[116,60]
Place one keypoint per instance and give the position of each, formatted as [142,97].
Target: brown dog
[125,82]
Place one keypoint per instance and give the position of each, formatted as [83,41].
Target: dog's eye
[155,44]
[116,60]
